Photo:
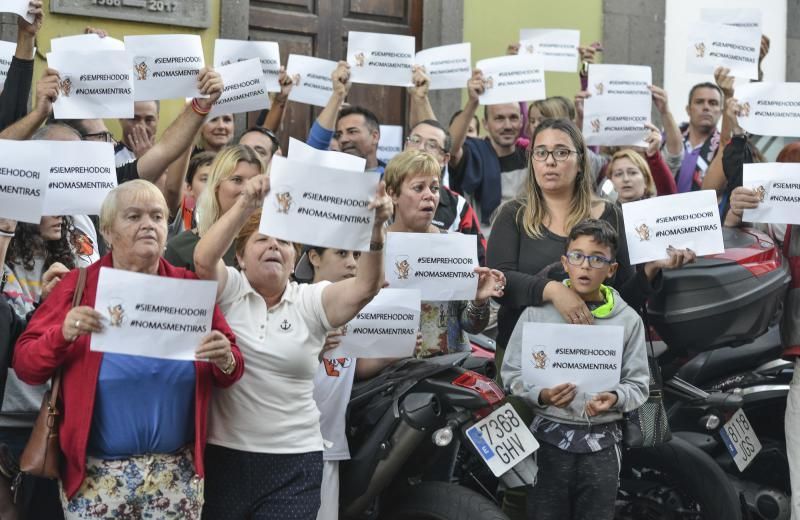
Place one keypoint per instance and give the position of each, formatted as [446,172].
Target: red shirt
[42,348]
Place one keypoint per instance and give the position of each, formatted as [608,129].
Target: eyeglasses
[430,146]
[598,262]
[559,154]
[103,137]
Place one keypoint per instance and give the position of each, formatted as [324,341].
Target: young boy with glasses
[579,456]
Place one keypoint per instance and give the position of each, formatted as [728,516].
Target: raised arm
[672,133]
[421,109]
[275,116]
[173,184]
[321,132]
[715,178]
[218,239]
[14,97]
[181,133]
[460,125]
[46,95]
[342,300]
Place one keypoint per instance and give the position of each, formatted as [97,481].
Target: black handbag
[647,426]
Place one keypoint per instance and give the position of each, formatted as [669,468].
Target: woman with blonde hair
[230,171]
[215,134]
[631,176]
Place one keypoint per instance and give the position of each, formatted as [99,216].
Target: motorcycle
[413,431]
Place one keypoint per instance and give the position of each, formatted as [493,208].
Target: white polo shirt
[271,408]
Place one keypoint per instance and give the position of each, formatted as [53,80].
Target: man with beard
[357,130]
[492,170]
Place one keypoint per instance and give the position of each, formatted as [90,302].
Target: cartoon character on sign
[761,193]
[402,267]
[296,80]
[65,86]
[140,64]
[595,125]
[529,48]
[744,110]
[643,231]
[488,83]
[360,59]
[116,312]
[284,202]
[700,49]
[540,360]
[332,366]
[599,88]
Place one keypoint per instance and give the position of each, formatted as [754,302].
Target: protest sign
[509,79]
[244,91]
[227,52]
[713,45]
[23,179]
[558,48]
[589,356]
[7,50]
[19,7]
[311,78]
[390,143]
[152,316]
[166,66]
[303,153]
[777,186]
[86,43]
[386,327]
[448,66]
[308,204]
[619,107]
[380,59]
[685,220]
[745,18]
[440,265]
[96,85]
[81,173]
[767,108]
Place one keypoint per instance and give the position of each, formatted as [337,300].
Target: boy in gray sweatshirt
[579,456]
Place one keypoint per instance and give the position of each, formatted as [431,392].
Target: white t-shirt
[271,408]
[332,386]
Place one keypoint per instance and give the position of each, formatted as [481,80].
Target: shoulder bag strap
[76,300]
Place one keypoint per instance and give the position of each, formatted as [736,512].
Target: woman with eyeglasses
[529,233]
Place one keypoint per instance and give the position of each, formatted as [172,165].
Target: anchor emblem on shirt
[286,326]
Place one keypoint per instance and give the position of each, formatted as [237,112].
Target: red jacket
[662,176]
[42,348]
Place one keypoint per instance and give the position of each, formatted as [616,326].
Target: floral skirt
[147,486]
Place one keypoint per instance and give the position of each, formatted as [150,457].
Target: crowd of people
[255,428]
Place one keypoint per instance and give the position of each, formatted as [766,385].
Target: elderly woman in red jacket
[134,428]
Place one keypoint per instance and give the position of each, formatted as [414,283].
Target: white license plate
[740,439]
[502,439]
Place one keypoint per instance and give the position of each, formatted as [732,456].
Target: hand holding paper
[215,348]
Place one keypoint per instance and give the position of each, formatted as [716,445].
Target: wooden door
[319,28]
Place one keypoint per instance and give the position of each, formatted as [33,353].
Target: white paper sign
[778,188]
[308,204]
[390,143]
[7,50]
[81,174]
[713,45]
[23,179]
[558,48]
[96,85]
[165,66]
[152,316]
[770,108]
[509,79]
[303,153]
[685,220]
[385,328]
[227,52]
[441,265]
[311,78]
[745,18]
[619,107]
[589,356]
[244,91]
[448,66]
[86,43]
[380,59]
[19,7]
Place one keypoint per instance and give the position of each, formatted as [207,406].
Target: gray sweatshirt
[633,387]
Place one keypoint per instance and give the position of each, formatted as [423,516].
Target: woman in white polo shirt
[264,454]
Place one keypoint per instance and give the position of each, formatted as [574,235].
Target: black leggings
[241,485]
